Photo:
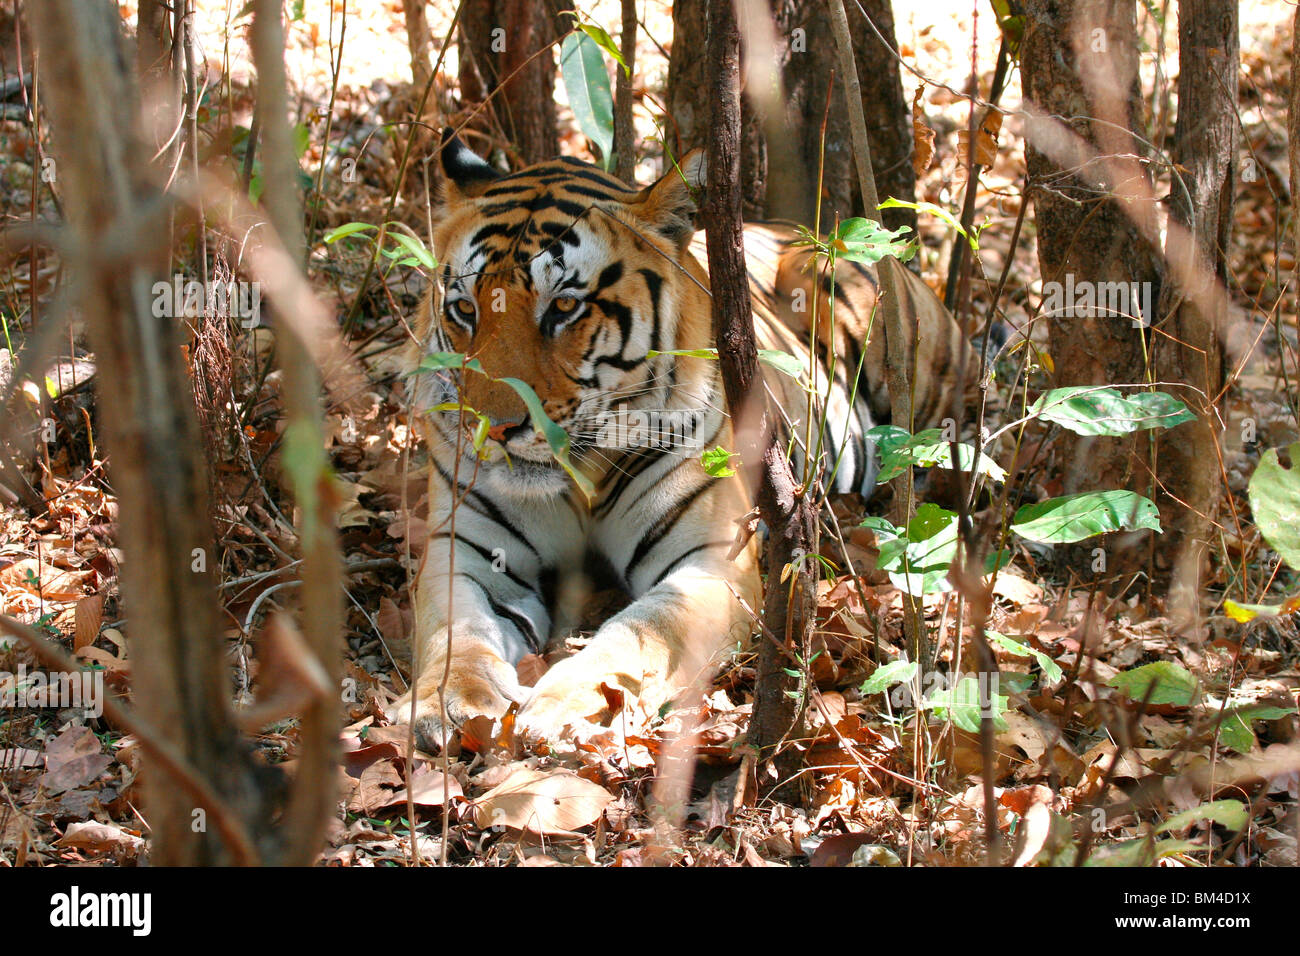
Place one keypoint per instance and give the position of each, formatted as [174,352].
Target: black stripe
[487,556]
[686,554]
[487,509]
[662,527]
[520,621]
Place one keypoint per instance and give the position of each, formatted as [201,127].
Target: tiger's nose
[502,432]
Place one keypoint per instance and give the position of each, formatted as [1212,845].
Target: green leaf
[444,360]
[1236,732]
[1173,684]
[587,84]
[865,240]
[888,437]
[882,528]
[415,248]
[717,462]
[1086,410]
[963,705]
[939,212]
[783,362]
[605,42]
[347,229]
[928,449]
[1275,500]
[301,139]
[887,675]
[918,561]
[555,436]
[1051,670]
[1231,814]
[1076,517]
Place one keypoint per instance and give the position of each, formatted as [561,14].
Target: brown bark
[1186,348]
[788,606]
[418,40]
[311,801]
[180,678]
[1079,65]
[888,115]
[624,132]
[498,41]
[781,153]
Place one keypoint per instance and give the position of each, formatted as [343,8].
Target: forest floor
[1083,767]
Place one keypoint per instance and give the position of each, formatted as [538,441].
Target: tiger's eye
[565,305]
[464,308]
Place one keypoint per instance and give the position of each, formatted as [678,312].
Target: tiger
[592,292]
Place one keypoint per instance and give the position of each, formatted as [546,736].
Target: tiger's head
[564,278]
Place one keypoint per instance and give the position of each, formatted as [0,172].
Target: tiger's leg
[485,581]
[685,614]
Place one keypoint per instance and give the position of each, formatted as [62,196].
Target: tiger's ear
[467,174]
[669,205]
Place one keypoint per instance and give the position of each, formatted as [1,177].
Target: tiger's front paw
[574,700]
[480,684]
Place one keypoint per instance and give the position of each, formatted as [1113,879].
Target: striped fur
[562,277]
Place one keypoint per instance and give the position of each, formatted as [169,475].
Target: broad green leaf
[1173,684]
[1076,517]
[1231,814]
[1086,410]
[865,240]
[605,42]
[939,212]
[782,362]
[927,449]
[717,462]
[1275,500]
[686,353]
[587,84]
[887,675]
[1051,670]
[1235,731]
[882,528]
[347,229]
[555,436]
[444,360]
[963,705]
[918,562]
[416,248]
[887,437]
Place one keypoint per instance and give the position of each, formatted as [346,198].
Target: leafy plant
[557,439]
[582,68]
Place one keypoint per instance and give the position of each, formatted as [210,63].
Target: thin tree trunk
[507,44]
[1079,64]
[789,605]
[624,132]
[888,114]
[1186,347]
[418,40]
[180,678]
[311,801]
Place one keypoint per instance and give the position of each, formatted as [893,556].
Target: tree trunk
[789,605]
[418,41]
[1079,65]
[180,680]
[1186,347]
[779,164]
[500,58]
[889,117]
